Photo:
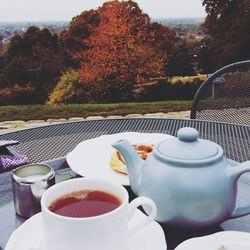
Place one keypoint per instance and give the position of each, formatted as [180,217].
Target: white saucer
[29,235]
[90,158]
[231,240]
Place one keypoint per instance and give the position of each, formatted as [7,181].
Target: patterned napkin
[10,158]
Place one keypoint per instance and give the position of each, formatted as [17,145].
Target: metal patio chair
[225,95]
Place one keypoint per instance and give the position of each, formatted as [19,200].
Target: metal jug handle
[235,174]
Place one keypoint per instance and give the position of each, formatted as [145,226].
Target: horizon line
[68,20]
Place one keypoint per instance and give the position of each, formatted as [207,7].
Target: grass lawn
[43,112]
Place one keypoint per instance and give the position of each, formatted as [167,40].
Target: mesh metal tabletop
[52,143]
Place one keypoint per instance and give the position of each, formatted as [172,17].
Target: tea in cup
[90,214]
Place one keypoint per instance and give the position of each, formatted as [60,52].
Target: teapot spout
[133,162]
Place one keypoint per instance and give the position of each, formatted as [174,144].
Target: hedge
[169,88]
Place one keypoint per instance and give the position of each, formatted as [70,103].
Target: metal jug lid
[187,146]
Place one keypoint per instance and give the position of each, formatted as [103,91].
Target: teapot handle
[236,173]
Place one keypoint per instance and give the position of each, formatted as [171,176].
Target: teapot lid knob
[187,147]
[188,134]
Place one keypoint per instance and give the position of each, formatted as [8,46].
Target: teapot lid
[187,146]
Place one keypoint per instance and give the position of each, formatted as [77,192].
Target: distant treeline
[183,26]
[10,29]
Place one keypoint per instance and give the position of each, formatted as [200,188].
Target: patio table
[50,144]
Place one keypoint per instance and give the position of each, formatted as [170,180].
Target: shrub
[70,90]
[183,88]
[67,90]
[17,94]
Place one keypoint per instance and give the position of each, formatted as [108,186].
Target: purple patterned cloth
[10,158]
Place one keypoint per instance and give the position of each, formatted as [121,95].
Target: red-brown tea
[84,203]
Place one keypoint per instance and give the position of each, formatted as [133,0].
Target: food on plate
[221,247]
[117,162]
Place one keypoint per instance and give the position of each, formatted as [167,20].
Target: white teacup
[109,231]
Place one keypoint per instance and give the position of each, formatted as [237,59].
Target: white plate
[29,235]
[231,240]
[91,158]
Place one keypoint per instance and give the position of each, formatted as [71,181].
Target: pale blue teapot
[192,183]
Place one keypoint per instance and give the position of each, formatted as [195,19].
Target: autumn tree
[124,49]
[227,33]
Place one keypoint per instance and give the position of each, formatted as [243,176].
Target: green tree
[180,61]
[227,33]
[33,58]
[74,38]
[1,44]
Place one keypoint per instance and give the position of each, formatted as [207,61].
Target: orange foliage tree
[124,49]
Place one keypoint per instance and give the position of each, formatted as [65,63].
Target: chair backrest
[225,95]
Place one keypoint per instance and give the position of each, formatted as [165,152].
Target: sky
[60,10]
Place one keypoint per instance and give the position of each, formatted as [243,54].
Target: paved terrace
[9,126]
